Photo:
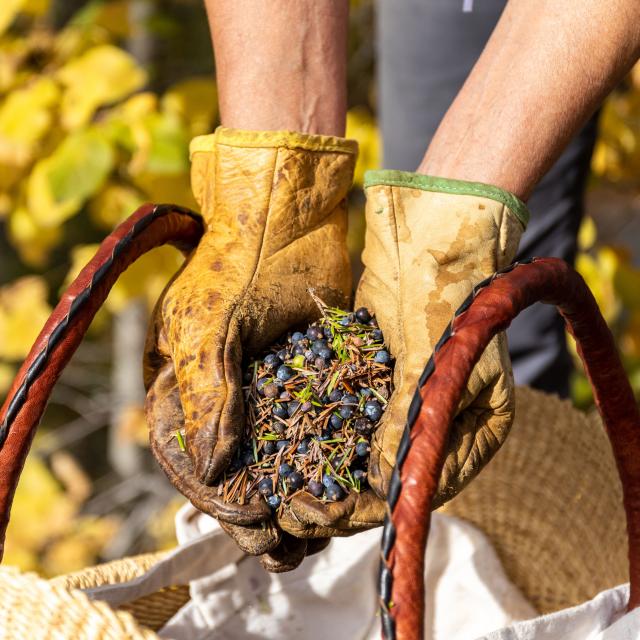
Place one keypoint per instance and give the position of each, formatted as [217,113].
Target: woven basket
[533,501]
[548,500]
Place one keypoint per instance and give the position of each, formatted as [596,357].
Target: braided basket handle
[149,227]
[489,309]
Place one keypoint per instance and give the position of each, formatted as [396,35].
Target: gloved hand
[428,242]
[275,214]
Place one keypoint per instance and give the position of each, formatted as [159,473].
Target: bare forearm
[281,65]
[546,68]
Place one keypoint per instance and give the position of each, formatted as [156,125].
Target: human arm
[546,68]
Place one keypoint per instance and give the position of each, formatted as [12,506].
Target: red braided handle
[489,310]
[149,227]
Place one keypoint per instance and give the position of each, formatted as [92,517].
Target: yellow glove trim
[271,139]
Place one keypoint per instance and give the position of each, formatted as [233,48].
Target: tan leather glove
[428,242]
[275,214]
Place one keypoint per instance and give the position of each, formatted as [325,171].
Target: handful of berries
[312,405]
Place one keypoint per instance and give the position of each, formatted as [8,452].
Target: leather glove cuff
[202,151]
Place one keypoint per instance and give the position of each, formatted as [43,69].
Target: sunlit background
[98,102]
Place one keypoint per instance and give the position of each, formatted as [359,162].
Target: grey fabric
[426,49]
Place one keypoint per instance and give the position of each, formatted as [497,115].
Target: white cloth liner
[333,594]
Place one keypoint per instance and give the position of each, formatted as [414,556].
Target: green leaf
[60,184]
[102,75]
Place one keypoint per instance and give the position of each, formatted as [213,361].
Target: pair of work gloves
[274,205]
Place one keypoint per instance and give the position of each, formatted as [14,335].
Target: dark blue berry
[261,383]
[281,444]
[303,447]
[334,492]
[335,396]
[274,501]
[348,398]
[327,480]
[270,390]
[362,449]
[314,333]
[278,426]
[285,469]
[305,407]
[363,426]
[295,480]
[376,334]
[359,475]
[325,353]
[346,411]
[327,333]
[318,345]
[281,410]
[296,336]
[272,361]
[294,405]
[345,322]
[265,487]
[320,363]
[269,447]
[373,410]
[283,354]
[323,437]
[309,355]
[366,392]
[335,422]
[247,458]
[382,357]
[299,350]
[284,372]
[315,488]
[363,315]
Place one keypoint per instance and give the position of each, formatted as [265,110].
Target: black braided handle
[149,227]
[487,311]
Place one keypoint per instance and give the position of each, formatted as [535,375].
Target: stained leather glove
[428,242]
[275,214]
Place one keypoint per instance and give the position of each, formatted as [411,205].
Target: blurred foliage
[48,533]
[82,144]
[85,138]
[610,270]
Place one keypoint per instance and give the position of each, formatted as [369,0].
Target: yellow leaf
[80,547]
[195,100]
[166,188]
[7,373]
[597,274]
[8,11]
[363,128]
[36,7]
[627,285]
[25,116]
[587,234]
[113,204]
[39,501]
[146,278]
[60,184]
[102,75]
[23,312]
[32,241]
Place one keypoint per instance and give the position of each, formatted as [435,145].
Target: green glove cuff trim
[394,178]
